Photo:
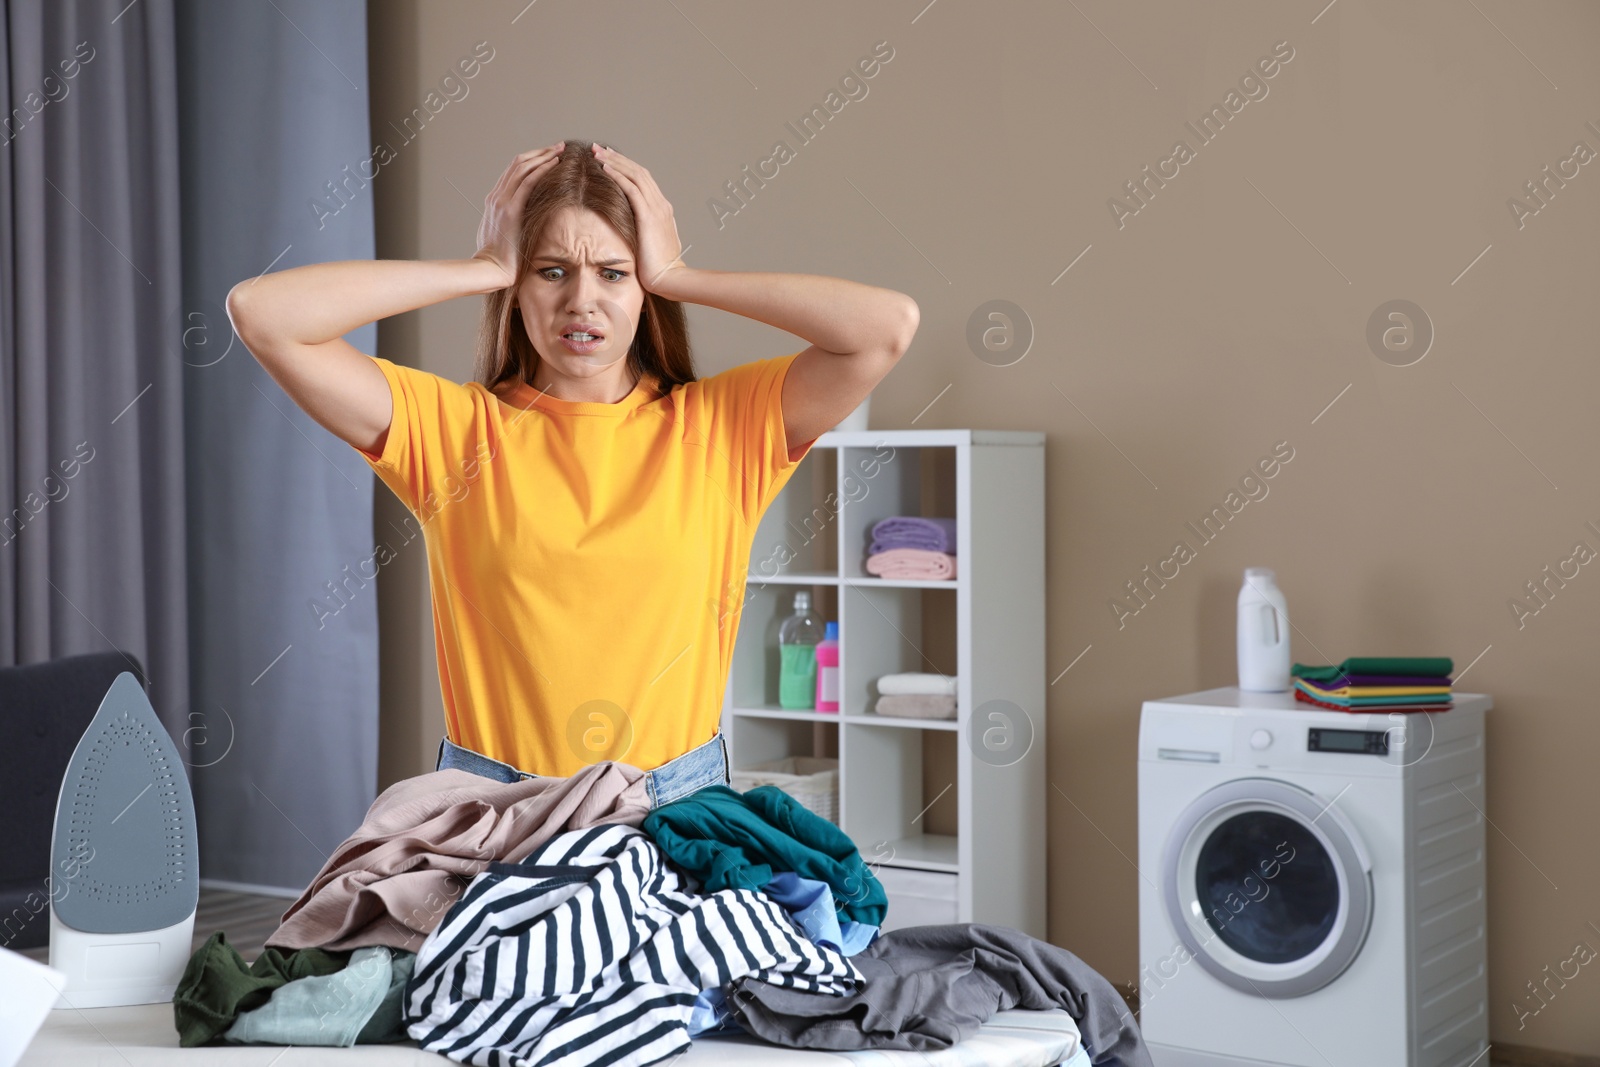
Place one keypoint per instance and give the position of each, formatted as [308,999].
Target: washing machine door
[1268,886]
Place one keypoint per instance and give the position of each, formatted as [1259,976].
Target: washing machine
[1311,883]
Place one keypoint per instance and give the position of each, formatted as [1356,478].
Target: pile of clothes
[1377,683]
[912,546]
[562,921]
[916,695]
[388,886]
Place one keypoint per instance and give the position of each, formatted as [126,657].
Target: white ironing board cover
[143,1035]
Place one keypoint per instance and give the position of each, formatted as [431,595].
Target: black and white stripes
[591,951]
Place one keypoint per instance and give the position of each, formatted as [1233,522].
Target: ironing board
[141,1035]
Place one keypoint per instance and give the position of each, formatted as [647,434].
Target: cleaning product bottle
[797,655]
[828,670]
[1263,633]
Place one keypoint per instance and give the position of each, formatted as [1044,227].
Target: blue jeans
[705,764]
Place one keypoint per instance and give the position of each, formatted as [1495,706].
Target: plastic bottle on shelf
[828,670]
[1263,633]
[798,638]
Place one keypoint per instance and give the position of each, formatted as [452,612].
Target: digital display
[1365,742]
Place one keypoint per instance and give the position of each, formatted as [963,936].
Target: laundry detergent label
[829,681]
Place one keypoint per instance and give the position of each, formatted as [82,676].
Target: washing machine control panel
[1357,742]
[1273,731]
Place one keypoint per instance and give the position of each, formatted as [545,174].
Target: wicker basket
[813,782]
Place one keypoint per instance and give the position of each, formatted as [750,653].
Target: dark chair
[44,710]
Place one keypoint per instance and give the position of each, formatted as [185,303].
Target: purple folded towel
[913,531]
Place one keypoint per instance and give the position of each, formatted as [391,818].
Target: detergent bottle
[1263,633]
[797,655]
[828,669]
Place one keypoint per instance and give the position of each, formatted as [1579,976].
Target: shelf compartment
[887,629]
[886,808]
[884,481]
[799,532]
[753,674]
[755,740]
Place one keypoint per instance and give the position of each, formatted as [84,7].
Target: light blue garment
[810,904]
[710,1013]
[359,1004]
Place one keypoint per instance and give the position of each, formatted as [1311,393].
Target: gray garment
[928,987]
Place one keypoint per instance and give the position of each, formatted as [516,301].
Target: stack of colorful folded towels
[913,546]
[1377,683]
[914,695]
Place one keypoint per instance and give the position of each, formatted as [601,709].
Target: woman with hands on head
[589,502]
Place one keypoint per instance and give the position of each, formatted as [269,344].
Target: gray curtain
[283,608]
[92,542]
[161,494]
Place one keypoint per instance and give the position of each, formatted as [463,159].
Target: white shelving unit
[950,814]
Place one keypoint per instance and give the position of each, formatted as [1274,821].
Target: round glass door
[1268,887]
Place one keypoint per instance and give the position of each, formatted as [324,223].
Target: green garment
[732,840]
[216,985]
[1421,666]
[359,1005]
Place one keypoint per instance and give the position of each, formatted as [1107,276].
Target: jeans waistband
[705,764]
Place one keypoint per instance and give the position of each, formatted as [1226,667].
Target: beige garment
[918,706]
[425,838]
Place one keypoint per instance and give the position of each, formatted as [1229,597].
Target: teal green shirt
[732,840]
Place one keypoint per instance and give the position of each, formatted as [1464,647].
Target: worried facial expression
[580,299]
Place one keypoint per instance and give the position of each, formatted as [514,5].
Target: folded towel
[1318,689]
[912,563]
[1379,679]
[1363,702]
[918,706]
[1426,666]
[1300,694]
[913,531]
[915,683]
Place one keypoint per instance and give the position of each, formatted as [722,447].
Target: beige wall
[1180,348]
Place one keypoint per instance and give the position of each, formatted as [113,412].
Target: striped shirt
[591,951]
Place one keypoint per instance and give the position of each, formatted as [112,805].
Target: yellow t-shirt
[587,561]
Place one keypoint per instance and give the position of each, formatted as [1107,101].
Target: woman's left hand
[659,247]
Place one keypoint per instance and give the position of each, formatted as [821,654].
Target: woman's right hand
[501,228]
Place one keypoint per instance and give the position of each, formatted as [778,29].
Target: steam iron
[123,857]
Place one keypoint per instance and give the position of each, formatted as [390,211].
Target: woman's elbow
[241,315]
[909,319]
[235,301]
